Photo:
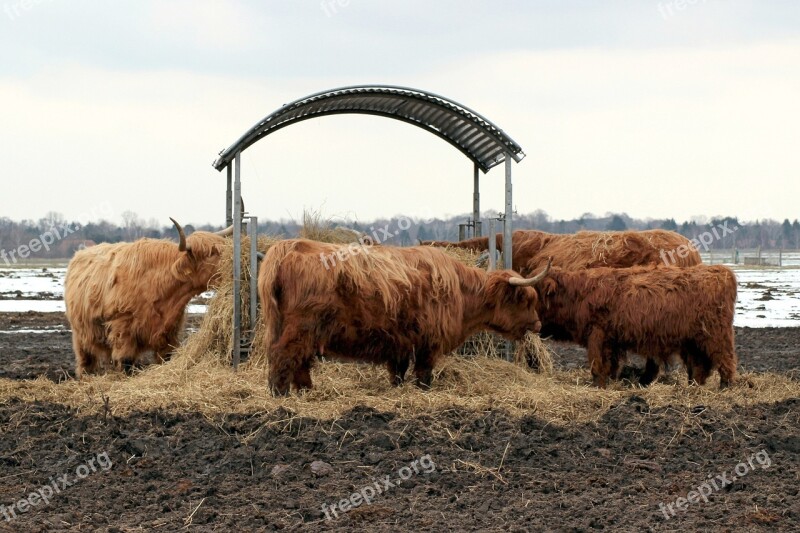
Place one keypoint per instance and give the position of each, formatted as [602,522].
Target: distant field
[36,263]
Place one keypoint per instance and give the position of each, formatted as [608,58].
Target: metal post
[253,231]
[509,212]
[461,231]
[476,202]
[507,229]
[228,200]
[237,262]
[492,246]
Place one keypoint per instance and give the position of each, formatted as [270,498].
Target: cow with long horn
[383,305]
[126,299]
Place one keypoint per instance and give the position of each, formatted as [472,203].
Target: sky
[671,108]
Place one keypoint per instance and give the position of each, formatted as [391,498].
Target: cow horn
[530,282]
[225,232]
[182,247]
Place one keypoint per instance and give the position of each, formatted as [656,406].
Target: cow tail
[269,290]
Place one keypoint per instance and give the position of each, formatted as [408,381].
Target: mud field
[455,469]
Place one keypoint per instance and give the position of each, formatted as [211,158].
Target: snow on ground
[767,296]
[31,282]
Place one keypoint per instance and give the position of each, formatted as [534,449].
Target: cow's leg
[123,355]
[293,351]
[85,360]
[423,368]
[618,358]
[599,354]
[698,364]
[397,370]
[302,377]
[651,370]
[171,341]
[721,354]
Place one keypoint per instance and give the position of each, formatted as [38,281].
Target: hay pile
[214,338]
[478,384]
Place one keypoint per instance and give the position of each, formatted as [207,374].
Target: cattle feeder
[485,144]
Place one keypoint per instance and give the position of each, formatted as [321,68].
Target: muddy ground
[487,470]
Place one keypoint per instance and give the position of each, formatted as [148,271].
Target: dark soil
[254,472]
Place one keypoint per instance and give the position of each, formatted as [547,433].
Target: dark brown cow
[128,298]
[591,249]
[381,305]
[653,311]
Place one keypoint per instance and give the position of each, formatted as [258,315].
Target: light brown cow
[125,299]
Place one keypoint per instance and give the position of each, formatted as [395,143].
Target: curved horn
[530,282]
[225,232]
[182,244]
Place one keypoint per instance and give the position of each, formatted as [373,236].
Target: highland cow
[125,299]
[653,311]
[385,305]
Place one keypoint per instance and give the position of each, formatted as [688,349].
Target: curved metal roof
[478,138]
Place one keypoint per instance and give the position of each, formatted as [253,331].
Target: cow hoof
[279,392]
[424,384]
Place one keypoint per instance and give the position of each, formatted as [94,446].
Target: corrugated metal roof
[478,138]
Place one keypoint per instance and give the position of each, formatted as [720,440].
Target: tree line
[65,237]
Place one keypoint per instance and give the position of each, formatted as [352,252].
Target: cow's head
[513,301]
[198,256]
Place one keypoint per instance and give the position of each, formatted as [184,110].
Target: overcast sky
[658,109]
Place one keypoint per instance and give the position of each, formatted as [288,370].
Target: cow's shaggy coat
[653,311]
[382,305]
[531,249]
[125,299]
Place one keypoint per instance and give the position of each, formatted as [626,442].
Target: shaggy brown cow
[653,311]
[128,298]
[380,305]
[589,249]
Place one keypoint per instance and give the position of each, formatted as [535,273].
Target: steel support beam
[509,214]
[229,200]
[492,246]
[237,261]
[476,202]
[252,230]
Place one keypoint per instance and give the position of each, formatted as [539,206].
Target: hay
[211,387]
[534,354]
[317,228]
[214,338]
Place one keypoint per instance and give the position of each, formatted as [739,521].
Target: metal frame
[480,140]
[474,135]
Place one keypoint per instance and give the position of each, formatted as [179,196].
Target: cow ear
[183,267]
[548,287]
